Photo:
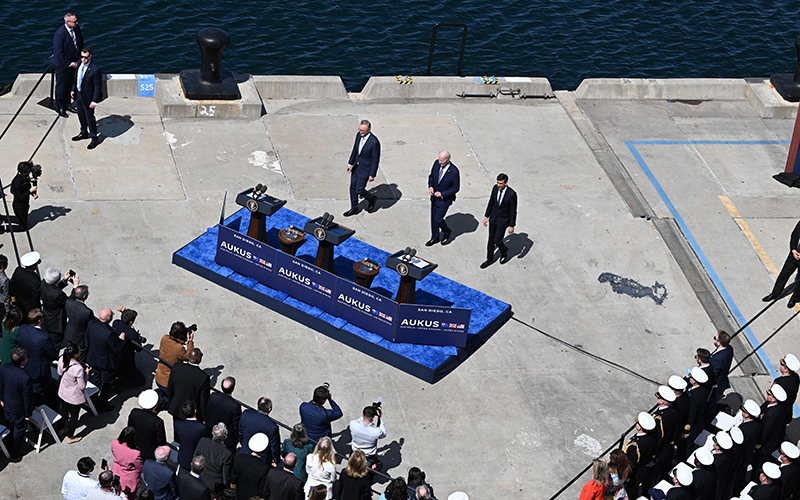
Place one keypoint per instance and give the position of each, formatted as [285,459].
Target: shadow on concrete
[461,224]
[388,195]
[391,456]
[519,244]
[146,363]
[793,431]
[341,443]
[214,373]
[113,125]
[46,213]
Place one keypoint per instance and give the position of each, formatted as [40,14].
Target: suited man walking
[16,396]
[105,347]
[87,91]
[443,184]
[150,431]
[789,267]
[501,214]
[363,167]
[223,408]
[67,45]
[189,381]
[41,353]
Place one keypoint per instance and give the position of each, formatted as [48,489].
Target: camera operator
[366,432]
[23,186]
[128,373]
[174,347]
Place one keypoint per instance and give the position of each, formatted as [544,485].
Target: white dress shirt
[76,486]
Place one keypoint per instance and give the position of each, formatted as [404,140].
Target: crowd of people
[220,446]
[705,450]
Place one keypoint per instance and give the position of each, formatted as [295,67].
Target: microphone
[324,222]
[257,190]
[412,253]
[263,189]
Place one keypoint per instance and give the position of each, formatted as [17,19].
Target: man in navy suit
[16,396]
[363,167]
[187,433]
[190,486]
[501,214]
[721,360]
[41,353]
[105,348]
[791,265]
[443,184]
[158,476]
[67,45]
[253,422]
[87,91]
[223,408]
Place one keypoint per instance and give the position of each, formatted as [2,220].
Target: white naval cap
[704,456]
[699,375]
[258,442]
[777,391]
[790,450]
[646,421]
[723,440]
[771,470]
[30,259]
[684,476]
[752,408]
[736,435]
[148,399]
[665,393]
[677,383]
[791,362]
[458,495]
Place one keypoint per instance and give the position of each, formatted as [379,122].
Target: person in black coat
[698,402]
[253,422]
[723,466]
[666,417]
[189,381]
[187,433]
[78,317]
[22,188]
[128,373]
[67,45]
[24,284]
[159,477]
[444,182]
[501,214]
[682,478]
[150,431]
[53,300]
[641,452]
[789,379]
[249,472]
[281,483]
[16,394]
[774,418]
[105,347]
[219,459]
[703,476]
[87,91]
[41,353]
[751,430]
[789,267]
[190,486]
[223,408]
[790,471]
[354,482]
[363,167]
[721,360]
[769,487]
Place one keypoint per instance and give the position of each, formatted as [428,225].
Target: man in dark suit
[104,349]
[189,381]
[443,184]
[188,433]
[249,471]
[253,422]
[190,486]
[157,475]
[87,91]
[25,283]
[720,361]
[501,214]
[128,373]
[67,45]
[281,483]
[150,432]
[219,459]
[41,353]
[223,408]
[363,167]
[789,267]
[78,318]
[16,396]
[53,300]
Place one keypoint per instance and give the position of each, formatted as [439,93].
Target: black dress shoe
[351,212]
[73,108]
[372,202]
[446,239]
[80,137]
[504,258]
[432,242]
[791,303]
[768,298]
[486,264]
[93,144]
[63,114]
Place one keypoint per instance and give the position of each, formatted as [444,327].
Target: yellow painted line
[750,236]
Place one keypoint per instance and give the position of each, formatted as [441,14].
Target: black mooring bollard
[211,82]
[788,85]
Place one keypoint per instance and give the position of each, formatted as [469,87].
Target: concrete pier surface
[647,220]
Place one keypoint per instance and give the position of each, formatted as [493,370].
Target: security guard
[641,452]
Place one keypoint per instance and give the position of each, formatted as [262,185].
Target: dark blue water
[565,41]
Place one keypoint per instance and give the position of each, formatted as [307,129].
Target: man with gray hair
[219,459]
[53,301]
[363,167]
[443,184]
[190,485]
[423,493]
[78,317]
[106,491]
[159,477]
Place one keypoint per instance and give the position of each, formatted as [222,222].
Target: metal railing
[463,45]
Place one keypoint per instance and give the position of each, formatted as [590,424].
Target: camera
[71,274]
[377,404]
[192,328]
[36,172]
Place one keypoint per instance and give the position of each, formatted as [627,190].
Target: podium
[260,208]
[291,238]
[365,271]
[329,234]
[410,271]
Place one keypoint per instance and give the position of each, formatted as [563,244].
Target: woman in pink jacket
[127,462]
[70,390]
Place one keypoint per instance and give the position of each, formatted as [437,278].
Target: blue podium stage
[429,363]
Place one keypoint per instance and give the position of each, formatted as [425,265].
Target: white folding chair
[3,433]
[43,419]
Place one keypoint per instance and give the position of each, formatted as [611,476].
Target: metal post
[463,45]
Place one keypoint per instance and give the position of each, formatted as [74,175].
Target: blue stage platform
[429,363]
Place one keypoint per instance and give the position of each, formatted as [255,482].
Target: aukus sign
[362,307]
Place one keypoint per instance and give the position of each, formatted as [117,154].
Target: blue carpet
[429,363]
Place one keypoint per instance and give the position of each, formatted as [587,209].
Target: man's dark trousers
[358,186]
[86,116]
[439,209]
[789,267]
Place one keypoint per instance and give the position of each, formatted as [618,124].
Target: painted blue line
[750,143]
[696,247]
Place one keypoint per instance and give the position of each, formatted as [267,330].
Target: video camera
[36,172]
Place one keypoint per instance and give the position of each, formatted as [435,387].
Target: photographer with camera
[54,300]
[174,347]
[128,373]
[366,432]
[23,186]
[315,417]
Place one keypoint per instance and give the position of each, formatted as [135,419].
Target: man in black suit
[187,433]
[159,477]
[25,283]
[253,422]
[223,408]
[128,373]
[720,361]
[67,45]
[189,381]
[87,91]
[363,167]
[789,267]
[41,353]
[219,459]
[281,483]
[249,472]
[501,214]
[16,396]
[53,300]
[190,486]
[443,184]
[104,349]
[78,318]
[150,432]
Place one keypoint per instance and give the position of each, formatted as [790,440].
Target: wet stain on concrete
[627,286]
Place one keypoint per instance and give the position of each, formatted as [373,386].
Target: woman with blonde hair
[321,468]
[618,470]
[354,483]
[596,487]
